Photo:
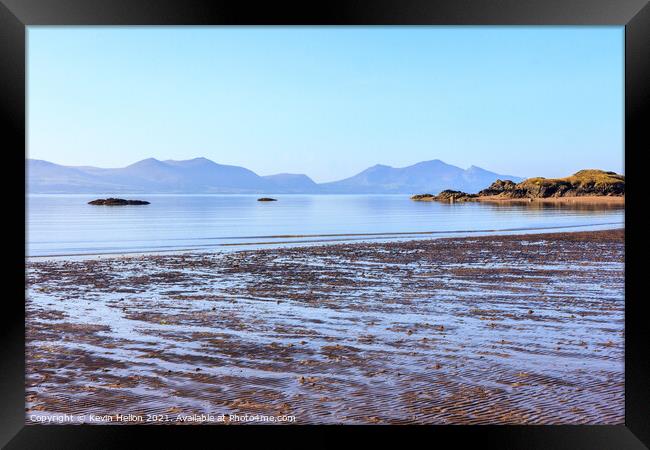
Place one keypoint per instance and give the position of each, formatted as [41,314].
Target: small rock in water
[117,202]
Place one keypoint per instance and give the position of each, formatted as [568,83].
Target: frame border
[16,15]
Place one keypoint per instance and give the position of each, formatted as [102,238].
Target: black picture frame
[16,15]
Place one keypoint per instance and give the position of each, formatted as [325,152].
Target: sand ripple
[508,330]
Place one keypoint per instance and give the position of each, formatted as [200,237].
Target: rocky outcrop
[117,202]
[423,197]
[499,187]
[589,182]
[445,196]
[267,199]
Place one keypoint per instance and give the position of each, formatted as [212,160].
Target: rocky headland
[591,184]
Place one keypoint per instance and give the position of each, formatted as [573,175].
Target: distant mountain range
[200,175]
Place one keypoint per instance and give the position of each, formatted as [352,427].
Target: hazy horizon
[329,102]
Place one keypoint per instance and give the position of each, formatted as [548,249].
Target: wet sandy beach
[524,329]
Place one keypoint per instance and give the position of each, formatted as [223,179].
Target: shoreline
[509,329]
[581,200]
[601,199]
[360,238]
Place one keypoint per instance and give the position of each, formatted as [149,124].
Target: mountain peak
[146,162]
[431,163]
[194,163]
[199,159]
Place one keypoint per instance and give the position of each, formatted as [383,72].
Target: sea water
[61,224]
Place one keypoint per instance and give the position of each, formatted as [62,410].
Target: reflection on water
[574,206]
[66,224]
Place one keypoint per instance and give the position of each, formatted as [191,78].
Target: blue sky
[329,101]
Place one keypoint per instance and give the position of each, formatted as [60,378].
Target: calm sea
[67,225]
